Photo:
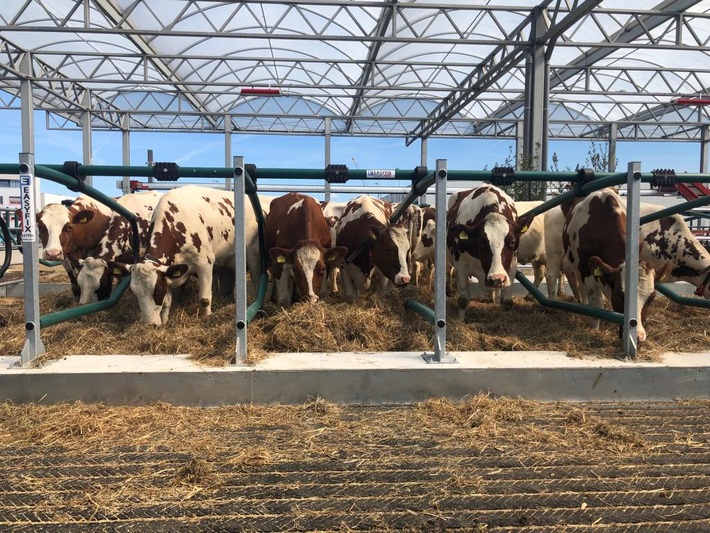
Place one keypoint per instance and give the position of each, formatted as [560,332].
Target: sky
[300,151]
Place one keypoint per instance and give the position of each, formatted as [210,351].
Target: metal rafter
[120,21]
[642,25]
[371,66]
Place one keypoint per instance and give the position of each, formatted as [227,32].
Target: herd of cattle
[191,230]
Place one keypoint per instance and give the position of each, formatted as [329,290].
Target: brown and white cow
[298,241]
[423,254]
[669,241]
[531,250]
[332,212]
[594,239]
[95,274]
[65,231]
[383,247]
[193,233]
[482,238]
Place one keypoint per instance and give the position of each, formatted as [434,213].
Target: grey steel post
[440,355]
[30,259]
[227,149]
[126,151]
[150,163]
[240,265]
[613,136]
[86,133]
[631,282]
[328,126]
[704,149]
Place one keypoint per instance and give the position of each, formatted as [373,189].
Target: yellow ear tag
[281,259]
[525,228]
[176,274]
[117,271]
[83,220]
[463,236]
[331,257]
[598,272]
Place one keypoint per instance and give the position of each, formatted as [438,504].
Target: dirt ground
[481,465]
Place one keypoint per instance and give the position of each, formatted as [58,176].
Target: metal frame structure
[427,68]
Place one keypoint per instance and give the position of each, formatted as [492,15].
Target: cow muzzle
[399,279]
[497,281]
[53,254]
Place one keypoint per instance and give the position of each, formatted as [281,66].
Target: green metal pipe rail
[250,189]
[600,181]
[683,300]
[86,309]
[7,240]
[75,185]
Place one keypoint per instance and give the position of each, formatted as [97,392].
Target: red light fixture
[691,101]
[260,91]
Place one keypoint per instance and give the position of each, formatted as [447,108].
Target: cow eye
[67,227]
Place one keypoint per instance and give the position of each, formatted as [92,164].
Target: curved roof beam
[66,91]
[498,63]
[629,33]
[120,21]
[382,25]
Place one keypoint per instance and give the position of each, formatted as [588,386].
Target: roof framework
[412,69]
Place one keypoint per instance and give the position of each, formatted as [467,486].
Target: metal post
[150,163]
[535,86]
[30,185]
[240,265]
[613,135]
[633,204]
[423,157]
[519,144]
[227,149]
[86,133]
[704,149]
[30,259]
[440,355]
[328,127]
[126,151]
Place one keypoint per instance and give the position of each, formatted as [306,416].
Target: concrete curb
[355,378]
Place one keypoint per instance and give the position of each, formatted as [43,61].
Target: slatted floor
[618,467]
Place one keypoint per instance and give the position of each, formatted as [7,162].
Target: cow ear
[374,233]
[460,232]
[281,255]
[118,269]
[82,217]
[336,256]
[663,273]
[176,271]
[524,223]
[599,268]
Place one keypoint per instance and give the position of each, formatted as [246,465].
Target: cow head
[425,247]
[614,278]
[389,253]
[494,241]
[306,264]
[54,227]
[151,283]
[95,279]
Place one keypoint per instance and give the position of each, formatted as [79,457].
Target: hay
[375,323]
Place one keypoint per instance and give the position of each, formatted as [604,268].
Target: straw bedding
[482,464]
[374,323]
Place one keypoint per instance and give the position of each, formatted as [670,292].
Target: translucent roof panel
[409,69]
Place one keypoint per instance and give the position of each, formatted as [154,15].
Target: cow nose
[53,254]
[496,280]
[402,280]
